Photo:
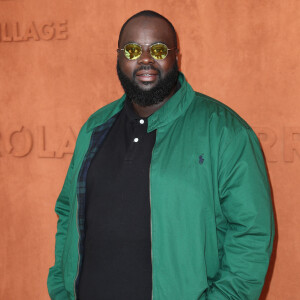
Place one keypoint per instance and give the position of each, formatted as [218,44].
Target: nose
[146,58]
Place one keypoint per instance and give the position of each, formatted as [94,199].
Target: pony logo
[201,159]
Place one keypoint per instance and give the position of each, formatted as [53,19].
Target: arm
[246,205]
[55,282]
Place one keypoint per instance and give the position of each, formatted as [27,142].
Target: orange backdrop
[57,66]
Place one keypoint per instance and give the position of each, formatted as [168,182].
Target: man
[167,195]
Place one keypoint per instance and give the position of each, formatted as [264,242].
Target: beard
[154,95]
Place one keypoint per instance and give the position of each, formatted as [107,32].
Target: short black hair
[150,14]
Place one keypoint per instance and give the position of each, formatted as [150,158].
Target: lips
[146,75]
[146,72]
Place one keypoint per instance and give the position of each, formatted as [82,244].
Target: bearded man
[167,195]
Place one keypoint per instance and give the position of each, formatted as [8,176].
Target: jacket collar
[174,107]
[170,111]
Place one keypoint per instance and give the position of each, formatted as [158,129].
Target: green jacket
[212,224]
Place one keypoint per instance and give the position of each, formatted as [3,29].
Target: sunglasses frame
[150,45]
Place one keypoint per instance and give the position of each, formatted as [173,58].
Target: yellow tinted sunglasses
[158,51]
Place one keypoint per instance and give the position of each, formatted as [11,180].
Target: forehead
[147,30]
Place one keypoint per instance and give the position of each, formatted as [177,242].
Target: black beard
[154,95]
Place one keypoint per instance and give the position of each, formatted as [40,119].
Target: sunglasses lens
[132,51]
[159,51]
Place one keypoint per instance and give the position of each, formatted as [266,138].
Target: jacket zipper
[151,227]
[77,273]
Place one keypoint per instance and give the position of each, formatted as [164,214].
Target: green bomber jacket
[212,223]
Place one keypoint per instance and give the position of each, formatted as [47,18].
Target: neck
[146,111]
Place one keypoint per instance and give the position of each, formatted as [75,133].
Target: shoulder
[218,112]
[104,115]
[222,122]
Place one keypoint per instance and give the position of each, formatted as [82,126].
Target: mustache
[146,68]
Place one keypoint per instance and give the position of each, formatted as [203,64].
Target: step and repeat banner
[58,66]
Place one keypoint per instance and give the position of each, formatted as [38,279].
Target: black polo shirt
[117,248]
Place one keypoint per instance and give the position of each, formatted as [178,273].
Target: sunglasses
[158,51]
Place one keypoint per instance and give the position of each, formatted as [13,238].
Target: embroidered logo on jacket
[201,159]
